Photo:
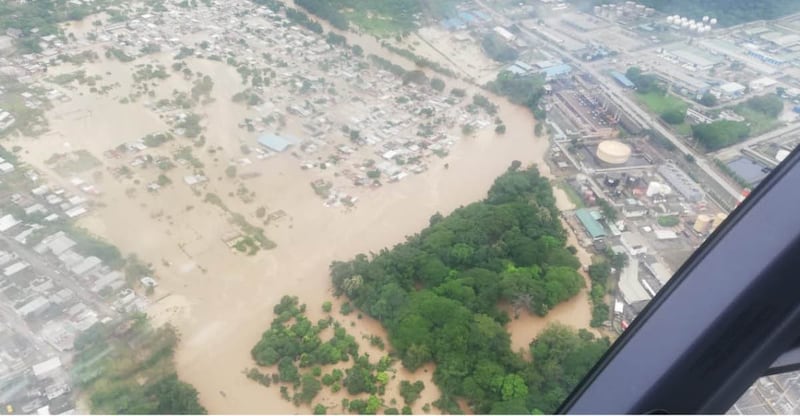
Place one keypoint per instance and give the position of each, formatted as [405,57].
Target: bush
[411,392]
[668,221]
[674,116]
[346,309]
[437,84]
[721,133]
[327,306]
[496,48]
[230,171]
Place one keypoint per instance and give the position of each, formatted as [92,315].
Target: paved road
[737,148]
[41,266]
[642,117]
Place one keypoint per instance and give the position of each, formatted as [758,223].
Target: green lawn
[759,122]
[658,103]
[374,24]
[571,194]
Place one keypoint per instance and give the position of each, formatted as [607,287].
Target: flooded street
[222,301]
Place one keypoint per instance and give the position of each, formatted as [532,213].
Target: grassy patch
[659,103]
[571,194]
[376,24]
[759,122]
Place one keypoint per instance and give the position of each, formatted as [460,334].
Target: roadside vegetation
[760,114]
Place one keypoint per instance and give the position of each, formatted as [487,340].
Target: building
[622,79]
[632,290]
[681,182]
[45,367]
[505,34]
[634,243]
[593,227]
[732,89]
[556,71]
[56,243]
[274,142]
[762,83]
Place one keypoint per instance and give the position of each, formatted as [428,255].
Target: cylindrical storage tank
[701,223]
[670,19]
[718,220]
[613,152]
[713,20]
[705,19]
[684,19]
[692,22]
[684,24]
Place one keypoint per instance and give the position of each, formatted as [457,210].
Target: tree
[230,171]
[496,48]
[609,212]
[410,391]
[174,397]
[674,115]
[437,84]
[769,104]
[327,306]
[709,100]
[320,409]
[310,386]
[520,89]
[510,386]
[720,133]
[500,129]
[437,294]
[373,404]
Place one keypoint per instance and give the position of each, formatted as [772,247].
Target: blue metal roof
[556,70]
[273,142]
[622,79]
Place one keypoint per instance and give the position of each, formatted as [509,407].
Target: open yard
[658,103]
[759,122]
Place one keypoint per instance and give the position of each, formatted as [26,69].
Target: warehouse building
[593,227]
[681,182]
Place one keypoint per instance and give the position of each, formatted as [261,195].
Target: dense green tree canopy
[438,295]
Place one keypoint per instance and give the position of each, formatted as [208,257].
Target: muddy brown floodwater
[220,301]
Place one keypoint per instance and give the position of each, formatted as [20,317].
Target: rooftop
[274,142]
[592,226]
